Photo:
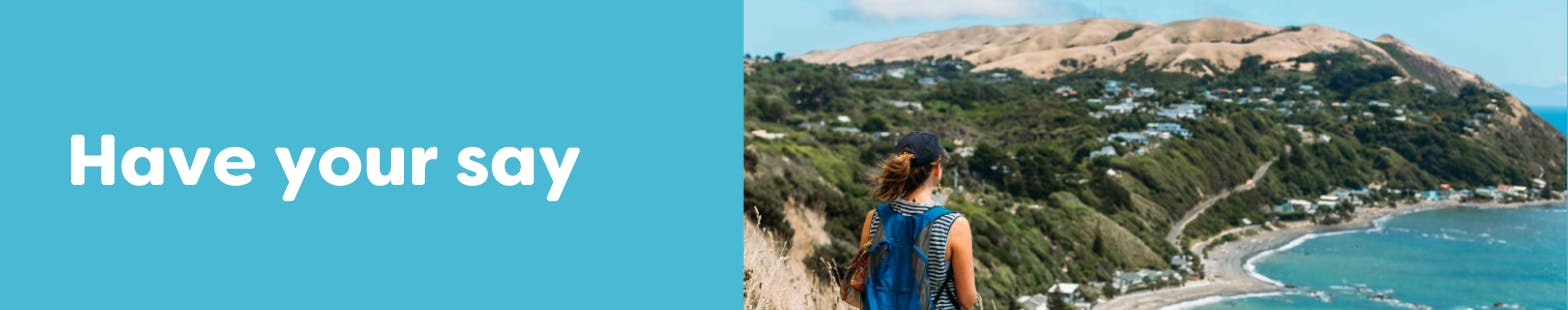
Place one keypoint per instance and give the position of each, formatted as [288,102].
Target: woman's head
[916,164]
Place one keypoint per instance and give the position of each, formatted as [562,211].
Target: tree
[1057,302]
[778,57]
[875,123]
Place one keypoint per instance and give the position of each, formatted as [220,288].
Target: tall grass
[774,280]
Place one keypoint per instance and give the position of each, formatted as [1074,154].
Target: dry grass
[775,281]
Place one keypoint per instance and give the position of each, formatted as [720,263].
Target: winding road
[1174,236]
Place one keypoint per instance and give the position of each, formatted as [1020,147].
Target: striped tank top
[938,269]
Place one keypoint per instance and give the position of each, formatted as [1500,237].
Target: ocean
[1557,116]
[1445,259]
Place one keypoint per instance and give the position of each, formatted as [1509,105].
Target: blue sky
[1519,45]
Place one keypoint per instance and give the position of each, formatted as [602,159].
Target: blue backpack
[895,270]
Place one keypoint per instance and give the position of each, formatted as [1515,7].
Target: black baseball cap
[926,147]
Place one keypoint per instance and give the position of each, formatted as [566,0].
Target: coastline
[1229,265]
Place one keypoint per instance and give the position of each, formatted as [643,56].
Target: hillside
[1076,173]
[1205,47]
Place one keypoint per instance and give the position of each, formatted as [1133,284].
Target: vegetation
[1044,211]
[1126,34]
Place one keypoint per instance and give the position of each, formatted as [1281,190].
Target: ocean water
[1445,259]
[1557,116]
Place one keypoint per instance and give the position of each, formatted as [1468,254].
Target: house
[897,73]
[1147,91]
[1305,88]
[1034,302]
[848,130]
[1328,201]
[1482,192]
[1128,137]
[1513,190]
[906,104]
[1068,292]
[1170,128]
[864,76]
[1185,110]
[1001,76]
[1539,183]
[1121,108]
[1284,207]
[1106,151]
[1126,280]
[926,81]
[843,118]
[1353,196]
[1180,263]
[1065,91]
[1296,205]
[1113,86]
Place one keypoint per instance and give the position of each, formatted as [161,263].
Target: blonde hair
[900,176]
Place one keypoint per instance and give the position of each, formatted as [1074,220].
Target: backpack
[890,271]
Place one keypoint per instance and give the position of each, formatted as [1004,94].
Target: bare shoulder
[960,225]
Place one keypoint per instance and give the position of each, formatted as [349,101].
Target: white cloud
[895,10]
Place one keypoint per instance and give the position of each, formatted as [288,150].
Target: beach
[1228,267]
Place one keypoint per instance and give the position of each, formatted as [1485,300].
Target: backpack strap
[929,219]
[941,290]
[881,212]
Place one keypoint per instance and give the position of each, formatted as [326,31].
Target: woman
[907,183]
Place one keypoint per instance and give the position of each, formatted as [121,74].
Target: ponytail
[900,177]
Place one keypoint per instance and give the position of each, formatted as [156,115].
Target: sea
[1461,258]
[1458,258]
[1557,116]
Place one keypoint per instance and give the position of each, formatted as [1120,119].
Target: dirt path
[1174,237]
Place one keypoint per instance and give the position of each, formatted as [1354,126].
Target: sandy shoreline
[1228,264]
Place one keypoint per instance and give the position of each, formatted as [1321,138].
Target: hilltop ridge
[1206,46]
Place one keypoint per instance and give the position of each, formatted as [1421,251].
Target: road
[1174,236]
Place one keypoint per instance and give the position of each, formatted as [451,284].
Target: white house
[1328,201]
[1035,302]
[897,73]
[1066,291]
[1106,151]
[1185,110]
[1121,108]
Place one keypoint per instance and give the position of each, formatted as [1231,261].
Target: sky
[1521,46]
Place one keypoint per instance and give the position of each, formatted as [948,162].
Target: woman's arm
[865,228]
[962,256]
